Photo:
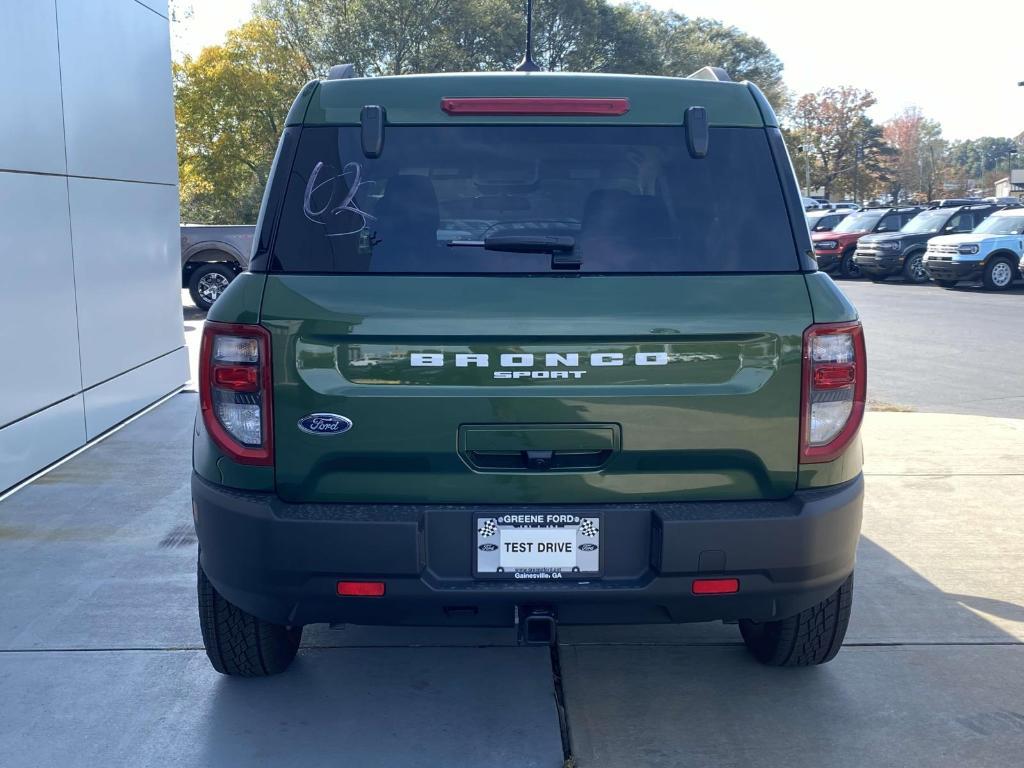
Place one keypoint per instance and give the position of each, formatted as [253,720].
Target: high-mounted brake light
[833,391]
[534,106]
[235,391]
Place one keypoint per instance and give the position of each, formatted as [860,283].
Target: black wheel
[946,283]
[847,268]
[999,274]
[238,643]
[913,268]
[811,637]
[208,282]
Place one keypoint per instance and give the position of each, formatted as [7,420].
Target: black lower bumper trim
[282,561]
[878,265]
[953,270]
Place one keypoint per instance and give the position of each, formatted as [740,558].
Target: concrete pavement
[101,661]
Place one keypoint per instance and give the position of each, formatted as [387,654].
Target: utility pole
[806,149]
[858,153]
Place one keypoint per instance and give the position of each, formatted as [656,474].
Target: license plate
[538,546]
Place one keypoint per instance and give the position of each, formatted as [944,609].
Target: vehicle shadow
[922,680]
[390,706]
[193,313]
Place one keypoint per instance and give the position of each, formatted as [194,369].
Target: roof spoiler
[710,73]
[341,72]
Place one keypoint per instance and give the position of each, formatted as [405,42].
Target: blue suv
[991,252]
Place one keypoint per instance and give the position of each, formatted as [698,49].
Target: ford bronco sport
[902,252]
[506,356]
[992,252]
[834,250]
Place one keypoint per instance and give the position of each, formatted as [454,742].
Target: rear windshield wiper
[560,247]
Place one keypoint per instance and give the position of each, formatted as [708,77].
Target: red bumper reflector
[715,586]
[361,588]
[534,106]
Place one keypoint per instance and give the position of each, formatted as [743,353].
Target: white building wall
[91,326]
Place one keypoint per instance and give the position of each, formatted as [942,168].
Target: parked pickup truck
[211,257]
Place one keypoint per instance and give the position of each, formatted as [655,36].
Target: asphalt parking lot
[101,662]
[932,349]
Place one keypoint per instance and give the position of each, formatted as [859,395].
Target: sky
[959,64]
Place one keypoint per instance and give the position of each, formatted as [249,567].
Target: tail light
[834,388]
[235,393]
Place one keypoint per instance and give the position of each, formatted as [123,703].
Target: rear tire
[913,268]
[813,636]
[208,282]
[847,268]
[237,642]
[999,274]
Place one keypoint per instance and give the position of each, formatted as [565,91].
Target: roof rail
[710,73]
[341,72]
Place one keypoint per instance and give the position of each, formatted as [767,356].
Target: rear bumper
[282,561]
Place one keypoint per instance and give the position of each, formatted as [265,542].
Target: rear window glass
[477,199]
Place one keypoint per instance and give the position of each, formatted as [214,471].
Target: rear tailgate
[502,389]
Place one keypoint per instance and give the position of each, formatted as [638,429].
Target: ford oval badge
[325,424]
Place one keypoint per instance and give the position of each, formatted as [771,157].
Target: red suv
[834,250]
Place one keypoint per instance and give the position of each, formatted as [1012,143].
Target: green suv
[506,355]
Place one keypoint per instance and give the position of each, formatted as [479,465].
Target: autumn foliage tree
[919,152]
[844,145]
[230,105]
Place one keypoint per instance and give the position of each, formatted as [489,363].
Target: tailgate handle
[538,447]
[537,461]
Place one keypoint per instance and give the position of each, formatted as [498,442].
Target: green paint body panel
[828,303]
[718,420]
[840,470]
[240,302]
[416,99]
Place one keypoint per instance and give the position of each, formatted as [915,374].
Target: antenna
[528,64]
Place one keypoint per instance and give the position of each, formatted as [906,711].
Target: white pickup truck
[211,257]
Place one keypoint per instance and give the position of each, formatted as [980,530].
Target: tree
[918,141]
[404,37]
[680,45]
[977,163]
[844,144]
[230,105]
[231,100]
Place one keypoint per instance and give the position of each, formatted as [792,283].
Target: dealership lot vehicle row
[947,241]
